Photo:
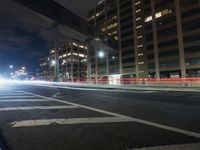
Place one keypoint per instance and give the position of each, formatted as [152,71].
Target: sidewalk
[128,87]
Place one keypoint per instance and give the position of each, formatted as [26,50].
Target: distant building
[157,38]
[20,74]
[69,63]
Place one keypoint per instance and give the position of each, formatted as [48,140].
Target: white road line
[25,100]
[149,123]
[36,107]
[193,146]
[12,94]
[2,97]
[45,122]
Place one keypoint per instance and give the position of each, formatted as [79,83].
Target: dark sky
[23,39]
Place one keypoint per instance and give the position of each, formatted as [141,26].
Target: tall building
[68,63]
[157,38]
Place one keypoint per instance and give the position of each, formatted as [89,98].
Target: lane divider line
[137,120]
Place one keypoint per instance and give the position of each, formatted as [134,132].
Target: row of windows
[127,43]
[167,43]
[126,34]
[193,61]
[192,49]
[169,53]
[164,54]
[169,64]
[128,26]
[190,12]
[167,32]
[189,61]
[128,52]
[191,25]
[191,38]
[128,60]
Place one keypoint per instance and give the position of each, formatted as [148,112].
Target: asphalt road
[47,118]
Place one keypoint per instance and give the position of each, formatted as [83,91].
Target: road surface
[49,118]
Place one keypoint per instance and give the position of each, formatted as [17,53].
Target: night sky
[23,40]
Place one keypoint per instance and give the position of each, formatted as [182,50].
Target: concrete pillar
[96,66]
[72,64]
[78,64]
[89,48]
[135,41]
[180,38]
[155,40]
[107,63]
[119,36]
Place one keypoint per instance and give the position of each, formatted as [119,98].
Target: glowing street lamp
[101,54]
[23,68]
[53,62]
[11,66]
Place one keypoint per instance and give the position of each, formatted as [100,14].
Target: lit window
[75,44]
[140,26]
[139,37]
[53,51]
[137,11]
[81,55]
[137,3]
[81,46]
[141,63]
[139,18]
[158,15]
[140,54]
[139,46]
[147,19]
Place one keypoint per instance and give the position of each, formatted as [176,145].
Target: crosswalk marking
[137,120]
[193,146]
[24,96]
[70,121]
[25,100]
[14,94]
[36,107]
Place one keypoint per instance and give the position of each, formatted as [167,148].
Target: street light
[23,68]
[53,62]
[101,54]
[11,66]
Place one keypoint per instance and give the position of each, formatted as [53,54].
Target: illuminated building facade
[157,38]
[69,63]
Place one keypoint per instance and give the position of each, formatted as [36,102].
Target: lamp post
[101,54]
